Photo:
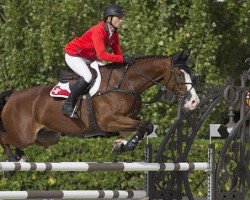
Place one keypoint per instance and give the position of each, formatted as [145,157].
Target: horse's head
[177,78]
[150,70]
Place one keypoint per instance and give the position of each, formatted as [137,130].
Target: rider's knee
[87,76]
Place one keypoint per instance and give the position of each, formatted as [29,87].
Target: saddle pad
[60,90]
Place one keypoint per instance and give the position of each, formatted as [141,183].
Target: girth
[94,130]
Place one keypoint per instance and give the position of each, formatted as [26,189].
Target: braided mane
[118,65]
[152,56]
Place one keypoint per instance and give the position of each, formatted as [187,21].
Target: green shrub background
[32,39]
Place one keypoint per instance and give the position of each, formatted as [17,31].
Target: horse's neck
[145,73]
[110,77]
[138,77]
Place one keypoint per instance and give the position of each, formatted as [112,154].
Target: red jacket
[92,45]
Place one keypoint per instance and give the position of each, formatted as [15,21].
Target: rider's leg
[80,87]
[78,65]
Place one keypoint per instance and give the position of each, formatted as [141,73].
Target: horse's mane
[152,56]
[118,65]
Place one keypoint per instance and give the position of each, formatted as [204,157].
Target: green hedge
[93,150]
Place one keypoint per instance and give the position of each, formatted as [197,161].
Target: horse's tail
[3,100]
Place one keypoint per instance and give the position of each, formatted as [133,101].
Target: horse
[31,116]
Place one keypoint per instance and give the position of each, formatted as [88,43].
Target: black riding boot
[80,87]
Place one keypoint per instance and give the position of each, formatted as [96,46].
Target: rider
[83,50]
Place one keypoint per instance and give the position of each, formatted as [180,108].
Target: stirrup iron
[73,115]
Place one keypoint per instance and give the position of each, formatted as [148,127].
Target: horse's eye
[181,74]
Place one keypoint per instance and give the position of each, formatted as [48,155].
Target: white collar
[110,32]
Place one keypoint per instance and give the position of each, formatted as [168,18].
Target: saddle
[66,76]
[71,77]
[67,80]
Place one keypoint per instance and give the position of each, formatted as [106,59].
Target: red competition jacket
[92,45]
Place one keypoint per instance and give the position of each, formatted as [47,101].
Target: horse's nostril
[193,102]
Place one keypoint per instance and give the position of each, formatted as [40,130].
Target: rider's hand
[129,60]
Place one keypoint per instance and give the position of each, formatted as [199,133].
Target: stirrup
[67,112]
[73,115]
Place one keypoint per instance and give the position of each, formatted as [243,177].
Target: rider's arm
[102,54]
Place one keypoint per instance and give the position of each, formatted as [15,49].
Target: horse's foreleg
[20,155]
[143,128]
[124,124]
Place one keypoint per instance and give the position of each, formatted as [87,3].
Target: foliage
[34,33]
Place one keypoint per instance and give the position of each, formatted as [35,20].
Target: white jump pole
[74,194]
[105,166]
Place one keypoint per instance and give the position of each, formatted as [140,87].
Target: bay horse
[32,116]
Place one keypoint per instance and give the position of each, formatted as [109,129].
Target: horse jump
[97,166]
[92,166]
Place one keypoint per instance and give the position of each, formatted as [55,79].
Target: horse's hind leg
[11,158]
[7,150]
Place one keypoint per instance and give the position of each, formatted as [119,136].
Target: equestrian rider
[83,50]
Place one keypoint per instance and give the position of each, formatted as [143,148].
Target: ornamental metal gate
[231,168]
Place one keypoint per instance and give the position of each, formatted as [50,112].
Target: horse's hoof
[120,140]
[117,149]
[8,174]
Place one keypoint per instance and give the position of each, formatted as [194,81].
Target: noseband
[182,95]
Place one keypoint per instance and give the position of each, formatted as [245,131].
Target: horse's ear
[181,57]
[185,54]
[177,57]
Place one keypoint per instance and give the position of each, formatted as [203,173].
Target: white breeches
[79,66]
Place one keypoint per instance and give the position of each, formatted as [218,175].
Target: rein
[160,93]
[125,78]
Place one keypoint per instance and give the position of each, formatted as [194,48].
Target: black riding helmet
[113,10]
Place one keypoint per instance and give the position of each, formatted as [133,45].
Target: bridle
[182,95]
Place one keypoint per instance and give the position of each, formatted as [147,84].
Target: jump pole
[146,166]
[73,194]
[103,166]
